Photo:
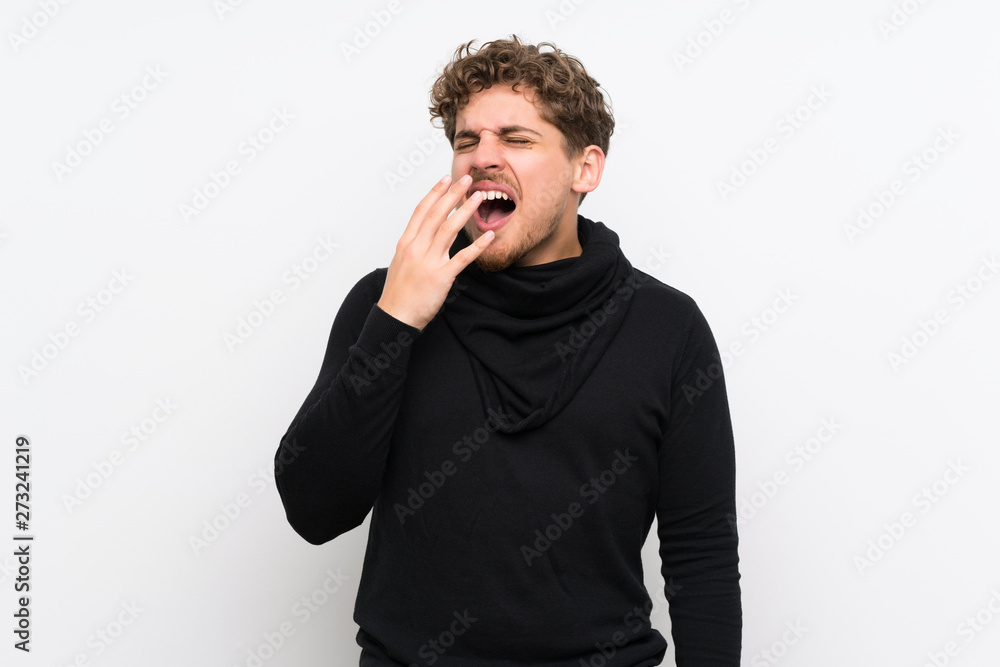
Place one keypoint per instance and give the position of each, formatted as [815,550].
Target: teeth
[495,194]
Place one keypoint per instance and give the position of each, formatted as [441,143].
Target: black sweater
[507,531]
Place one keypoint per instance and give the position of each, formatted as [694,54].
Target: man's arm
[696,509]
[329,464]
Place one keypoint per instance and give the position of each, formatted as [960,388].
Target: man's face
[506,146]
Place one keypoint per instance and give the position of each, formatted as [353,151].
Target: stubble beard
[497,258]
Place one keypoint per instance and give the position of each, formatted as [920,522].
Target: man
[514,404]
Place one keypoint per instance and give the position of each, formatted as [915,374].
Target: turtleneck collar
[531,333]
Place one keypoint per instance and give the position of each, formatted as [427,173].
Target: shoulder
[668,316]
[368,288]
[657,299]
[358,302]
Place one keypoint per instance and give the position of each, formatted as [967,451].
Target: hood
[533,334]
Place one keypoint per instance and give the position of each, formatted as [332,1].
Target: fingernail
[447,177]
[466,179]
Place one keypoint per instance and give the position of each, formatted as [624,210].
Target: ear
[587,169]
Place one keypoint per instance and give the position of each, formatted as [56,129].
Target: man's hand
[421,272]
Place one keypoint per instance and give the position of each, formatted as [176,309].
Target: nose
[489,153]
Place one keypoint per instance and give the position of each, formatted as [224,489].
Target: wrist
[401,314]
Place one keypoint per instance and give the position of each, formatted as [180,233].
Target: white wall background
[826,543]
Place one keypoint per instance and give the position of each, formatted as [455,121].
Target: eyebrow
[509,129]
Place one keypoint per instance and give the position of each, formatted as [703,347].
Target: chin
[491,261]
[496,257]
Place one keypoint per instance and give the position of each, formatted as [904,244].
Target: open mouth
[494,210]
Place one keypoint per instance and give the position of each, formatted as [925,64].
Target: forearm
[699,552]
[705,602]
[330,462]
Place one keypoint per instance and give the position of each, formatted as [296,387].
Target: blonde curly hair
[567,96]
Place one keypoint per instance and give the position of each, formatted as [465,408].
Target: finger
[421,209]
[468,254]
[449,229]
[439,211]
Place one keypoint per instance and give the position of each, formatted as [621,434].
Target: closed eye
[462,147]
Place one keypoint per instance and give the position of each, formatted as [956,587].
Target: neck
[564,243]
